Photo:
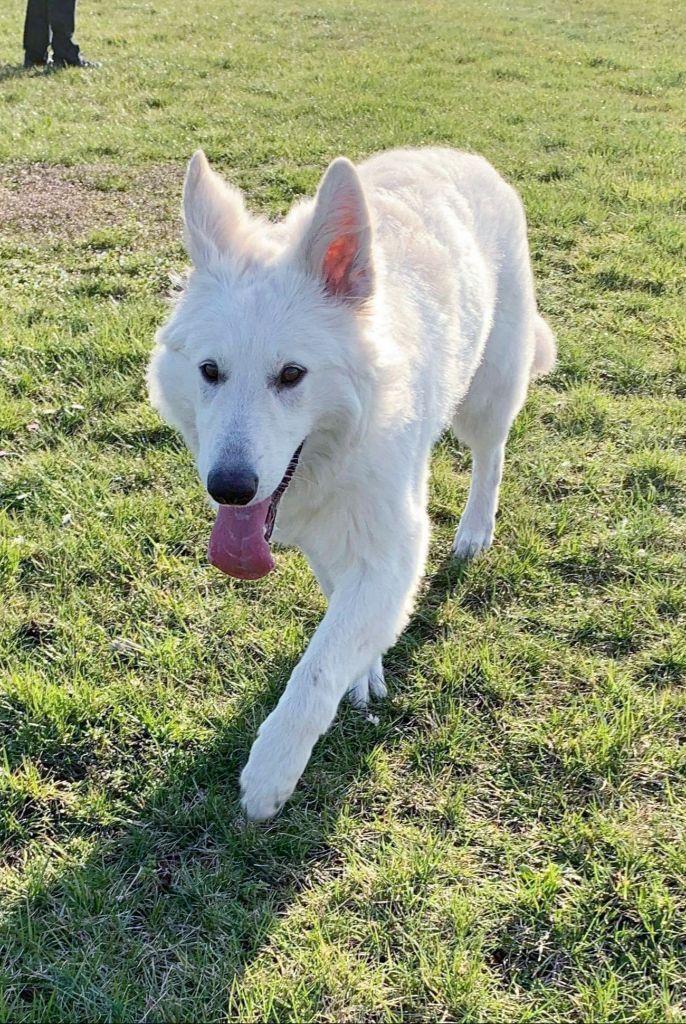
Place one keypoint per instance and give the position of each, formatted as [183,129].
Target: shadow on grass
[8,71]
[170,908]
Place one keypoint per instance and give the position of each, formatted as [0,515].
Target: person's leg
[62,14]
[36,32]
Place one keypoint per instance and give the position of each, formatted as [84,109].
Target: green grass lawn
[508,844]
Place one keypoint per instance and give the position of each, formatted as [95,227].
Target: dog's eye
[209,371]
[291,374]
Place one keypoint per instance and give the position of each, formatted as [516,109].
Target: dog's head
[263,351]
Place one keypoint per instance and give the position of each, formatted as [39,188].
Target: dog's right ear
[337,245]
[213,212]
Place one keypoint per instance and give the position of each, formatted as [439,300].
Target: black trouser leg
[62,25]
[36,30]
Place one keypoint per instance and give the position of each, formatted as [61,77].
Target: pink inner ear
[338,266]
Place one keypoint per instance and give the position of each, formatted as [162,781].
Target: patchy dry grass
[508,843]
[100,202]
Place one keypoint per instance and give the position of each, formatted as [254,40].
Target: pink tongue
[237,545]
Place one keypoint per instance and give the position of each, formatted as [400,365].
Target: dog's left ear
[337,245]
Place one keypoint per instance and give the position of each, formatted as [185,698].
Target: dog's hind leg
[484,417]
[477,523]
[519,347]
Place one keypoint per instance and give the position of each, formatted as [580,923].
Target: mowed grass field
[508,843]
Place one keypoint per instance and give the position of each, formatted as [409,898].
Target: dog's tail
[545,352]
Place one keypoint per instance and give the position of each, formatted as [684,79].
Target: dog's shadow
[188,864]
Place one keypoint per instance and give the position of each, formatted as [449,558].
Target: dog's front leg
[371,682]
[369,606]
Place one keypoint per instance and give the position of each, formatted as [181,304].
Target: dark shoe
[80,62]
[30,61]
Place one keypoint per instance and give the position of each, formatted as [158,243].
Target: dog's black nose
[232,486]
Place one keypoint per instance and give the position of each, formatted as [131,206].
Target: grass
[508,843]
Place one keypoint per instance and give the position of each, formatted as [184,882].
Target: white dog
[310,366]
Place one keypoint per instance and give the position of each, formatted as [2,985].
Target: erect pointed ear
[213,212]
[337,245]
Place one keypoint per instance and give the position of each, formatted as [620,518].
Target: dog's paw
[471,540]
[368,687]
[277,760]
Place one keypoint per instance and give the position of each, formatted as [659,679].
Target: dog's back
[439,188]
[448,220]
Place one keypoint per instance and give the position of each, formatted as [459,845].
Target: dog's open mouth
[279,492]
[239,545]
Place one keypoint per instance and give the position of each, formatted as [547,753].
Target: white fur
[405,290]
